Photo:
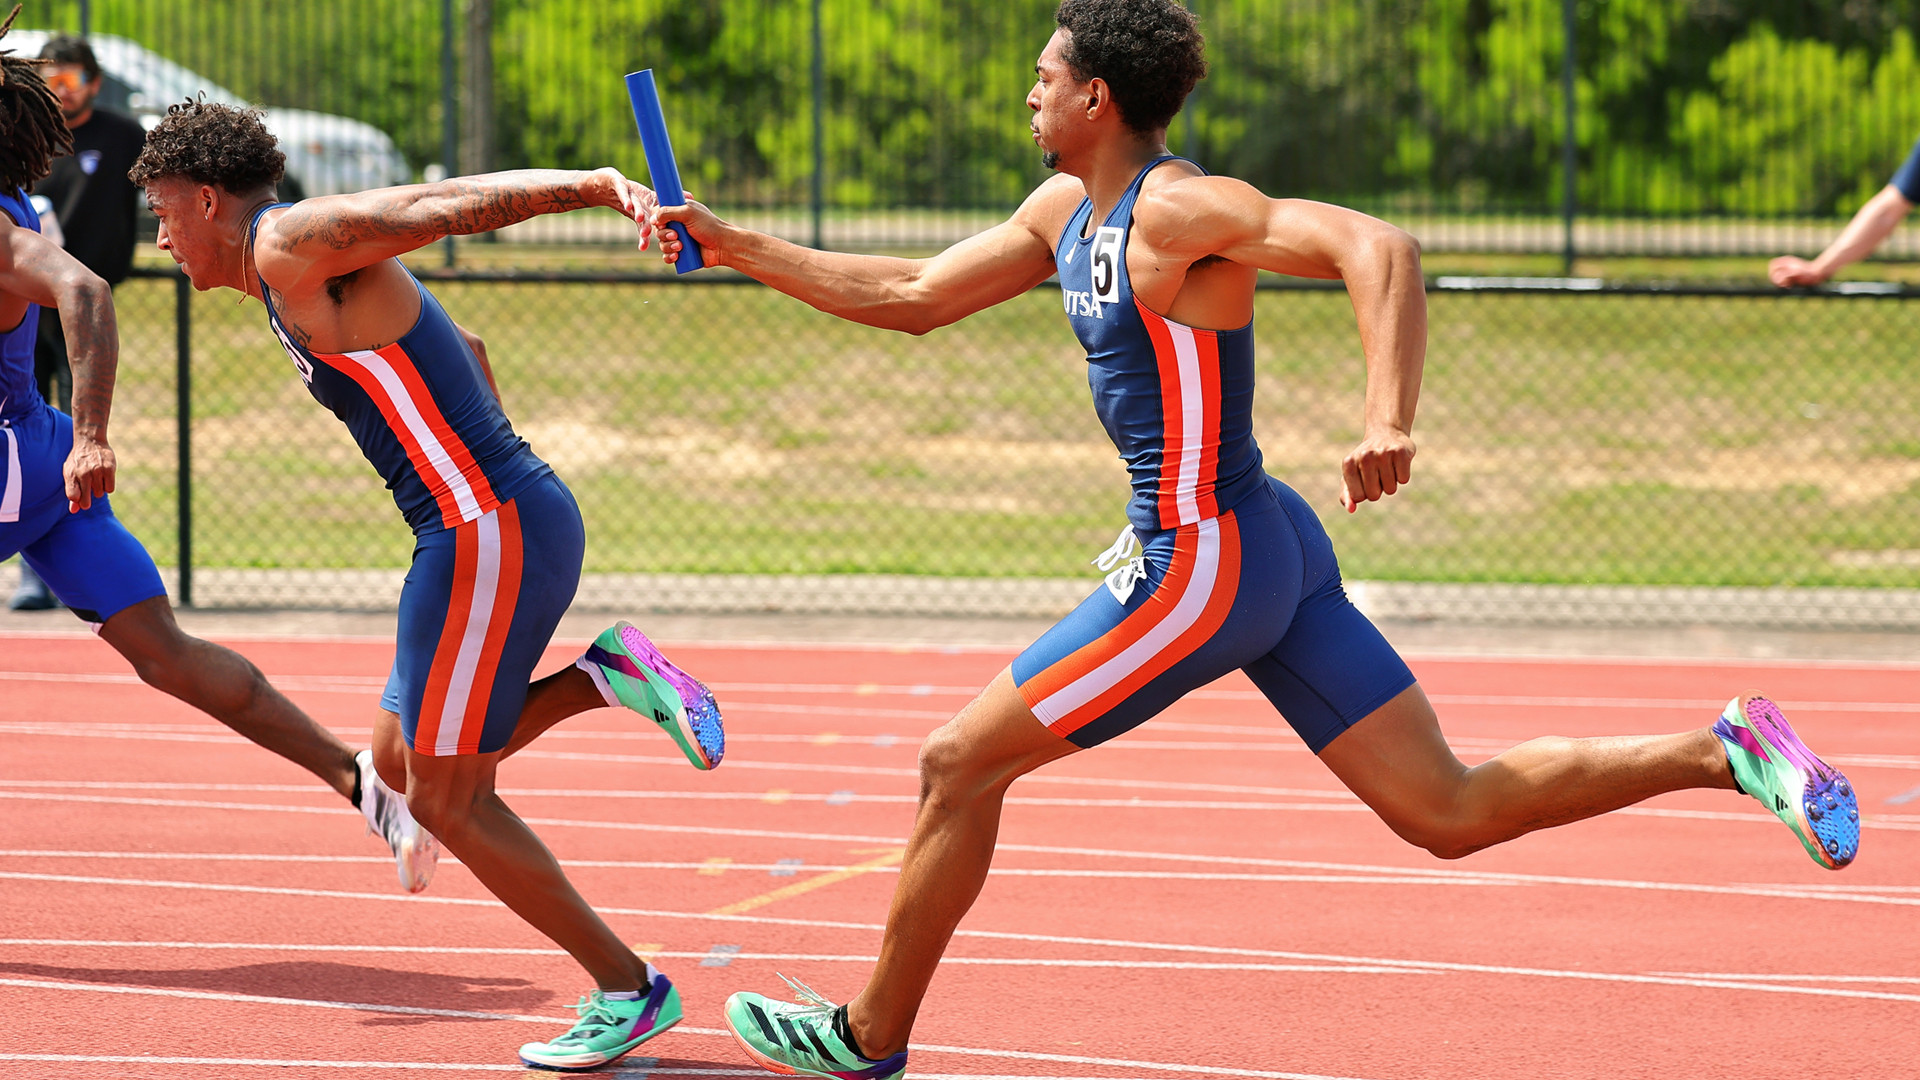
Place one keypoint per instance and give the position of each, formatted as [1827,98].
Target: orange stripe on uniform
[433,703]
[506,598]
[1206,344]
[1136,625]
[429,410]
[1226,586]
[1170,414]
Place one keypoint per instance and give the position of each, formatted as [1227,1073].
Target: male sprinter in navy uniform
[498,540]
[56,471]
[1226,567]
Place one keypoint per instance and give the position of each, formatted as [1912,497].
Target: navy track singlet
[423,415]
[1177,402]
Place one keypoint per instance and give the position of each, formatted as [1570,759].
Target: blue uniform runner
[89,560]
[1221,567]
[498,540]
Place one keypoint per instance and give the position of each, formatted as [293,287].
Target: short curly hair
[1149,52]
[211,143]
[32,132]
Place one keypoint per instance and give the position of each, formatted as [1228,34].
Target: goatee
[1050,158]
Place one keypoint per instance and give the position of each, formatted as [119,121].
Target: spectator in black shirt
[95,205]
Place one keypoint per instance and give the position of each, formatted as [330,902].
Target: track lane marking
[1895,822]
[822,958]
[890,860]
[1466,746]
[1021,1055]
[1056,939]
[707,866]
[1814,893]
[628,1068]
[351,683]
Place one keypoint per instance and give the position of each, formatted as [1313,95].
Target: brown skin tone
[1872,223]
[1196,245]
[331,267]
[214,679]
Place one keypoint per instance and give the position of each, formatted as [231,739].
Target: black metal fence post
[183,427]
[819,129]
[1568,159]
[449,118]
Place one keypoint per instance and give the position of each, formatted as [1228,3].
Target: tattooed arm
[324,238]
[33,268]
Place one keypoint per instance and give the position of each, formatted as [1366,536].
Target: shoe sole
[416,862]
[697,725]
[1827,810]
[582,1064]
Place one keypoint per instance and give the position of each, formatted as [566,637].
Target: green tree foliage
[1683,106]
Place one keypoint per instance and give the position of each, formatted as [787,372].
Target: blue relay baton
[665,174]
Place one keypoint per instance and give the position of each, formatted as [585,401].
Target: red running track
[1198,898]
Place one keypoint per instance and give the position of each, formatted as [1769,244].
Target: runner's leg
[965,768]
[228,687]
[1397,761]
[454,798]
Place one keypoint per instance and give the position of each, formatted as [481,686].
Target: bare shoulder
[1050,206]
[1180,208]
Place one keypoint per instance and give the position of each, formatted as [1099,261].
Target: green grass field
[728,429]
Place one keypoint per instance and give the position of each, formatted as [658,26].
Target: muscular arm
[319,239]
[33,268]
[1871,224]
[1199,216]
[911,295]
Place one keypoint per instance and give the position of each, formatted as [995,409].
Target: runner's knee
[442,805]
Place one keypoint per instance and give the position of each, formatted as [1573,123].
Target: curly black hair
[32,132]
[211,143]
[1149,52]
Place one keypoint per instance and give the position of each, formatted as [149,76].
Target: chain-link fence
[1684,128]
[1580,437]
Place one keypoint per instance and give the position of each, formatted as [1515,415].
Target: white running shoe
[415,851]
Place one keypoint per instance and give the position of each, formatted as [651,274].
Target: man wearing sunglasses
[95,205]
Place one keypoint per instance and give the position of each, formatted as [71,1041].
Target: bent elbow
[1403,246]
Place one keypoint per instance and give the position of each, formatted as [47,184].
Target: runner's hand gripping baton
[660,164]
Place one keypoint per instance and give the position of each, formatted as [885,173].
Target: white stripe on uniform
[417,425]
[1186,611]
[486,586]
[10,499]
[1192,436]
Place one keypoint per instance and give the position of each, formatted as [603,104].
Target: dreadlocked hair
[32,132]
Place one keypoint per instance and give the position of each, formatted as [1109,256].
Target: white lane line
[1745,976]
[346,683]
[1466,746]
[1071,1059]
[838,770]
[621,1071]
[836,798]
[628,1068]
[811,868]
[1895,822]
[823,958]
[1789,892]
[1002,935]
